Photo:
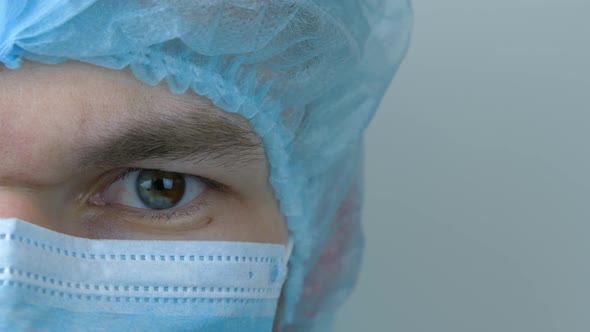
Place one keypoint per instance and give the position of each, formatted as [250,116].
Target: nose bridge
[23,204]
[30,159]
[20,151]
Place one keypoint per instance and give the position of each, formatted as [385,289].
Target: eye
[160,190]
[153,189]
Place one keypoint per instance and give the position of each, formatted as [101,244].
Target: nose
[25,205]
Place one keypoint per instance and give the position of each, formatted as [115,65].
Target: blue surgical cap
[307,74]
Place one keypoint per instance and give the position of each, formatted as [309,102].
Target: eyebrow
[183,132]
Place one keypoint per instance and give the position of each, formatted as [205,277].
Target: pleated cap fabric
[307,74]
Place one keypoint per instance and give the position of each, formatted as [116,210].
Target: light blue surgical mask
[55,282]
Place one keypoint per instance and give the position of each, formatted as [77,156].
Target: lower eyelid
[189,209]
[192,216]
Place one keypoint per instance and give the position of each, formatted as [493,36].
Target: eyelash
[168,215]
[173,212]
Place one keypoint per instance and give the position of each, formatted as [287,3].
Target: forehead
[69,96]
[47,111]
[79,92]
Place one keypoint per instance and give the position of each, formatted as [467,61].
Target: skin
[53,116]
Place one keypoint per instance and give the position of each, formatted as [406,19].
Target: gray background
[478,188]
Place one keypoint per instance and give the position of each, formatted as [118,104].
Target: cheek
[254,222]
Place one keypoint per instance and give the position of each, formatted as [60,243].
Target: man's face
[95,153]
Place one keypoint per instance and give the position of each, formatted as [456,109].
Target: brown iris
[159,189]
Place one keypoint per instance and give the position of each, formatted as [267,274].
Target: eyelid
[158,217]
[208,182]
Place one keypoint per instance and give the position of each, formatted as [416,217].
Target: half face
[95,153]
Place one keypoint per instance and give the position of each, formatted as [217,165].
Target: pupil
[159,184]
[159,189]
